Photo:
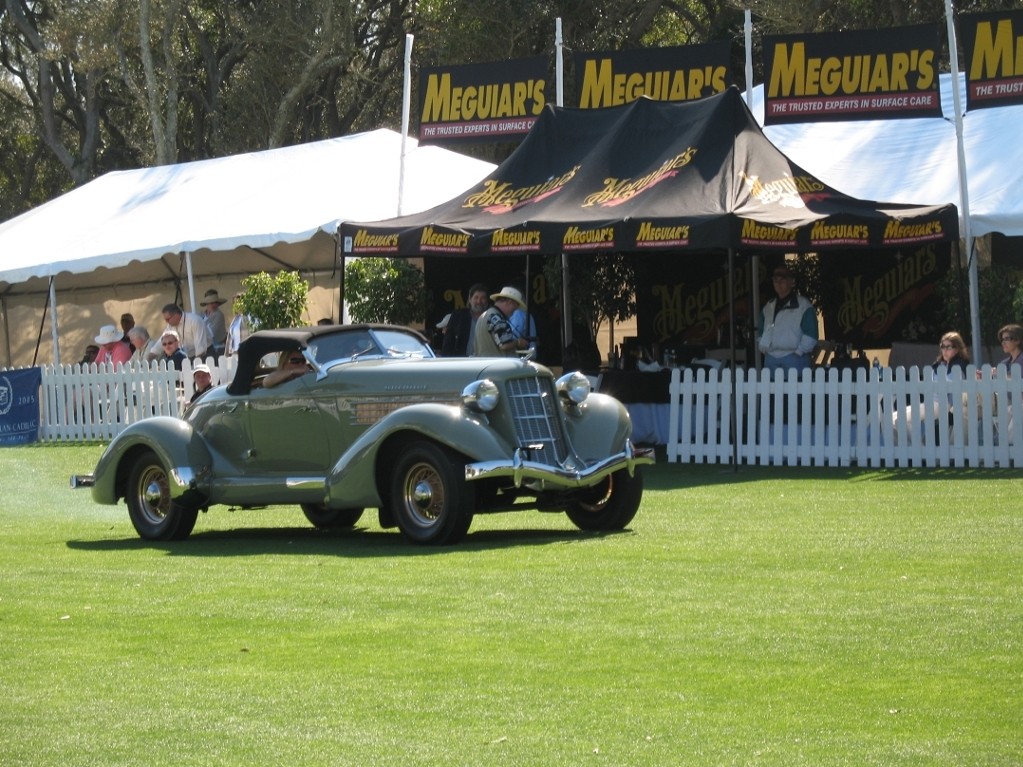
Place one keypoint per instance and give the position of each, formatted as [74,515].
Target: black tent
[653,177]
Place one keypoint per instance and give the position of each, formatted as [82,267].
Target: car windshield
[363,343]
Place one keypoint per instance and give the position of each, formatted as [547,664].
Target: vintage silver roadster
[374,420]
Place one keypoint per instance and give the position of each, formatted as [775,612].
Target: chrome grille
[533,404]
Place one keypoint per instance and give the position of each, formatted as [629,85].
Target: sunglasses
[1005,338]
[170,343]
[297,360]
[946,346]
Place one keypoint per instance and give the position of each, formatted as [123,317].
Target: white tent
[235,215]
[119,243]
[915,160]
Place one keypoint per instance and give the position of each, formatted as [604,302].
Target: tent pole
[566,296]
[54,330]
[754,299]
[964,191]
[42,321]
[732,424]
[7,328]
[191,283]
[406,98]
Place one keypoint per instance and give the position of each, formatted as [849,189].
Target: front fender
[353,480]
[181,450]
[598,427]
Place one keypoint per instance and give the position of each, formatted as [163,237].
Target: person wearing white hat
[203,380]
[439,331]
[112,349]
[494,336]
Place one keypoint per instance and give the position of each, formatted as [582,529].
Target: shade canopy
[236,215]
[651,176]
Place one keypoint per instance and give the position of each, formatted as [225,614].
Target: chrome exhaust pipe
[82,480]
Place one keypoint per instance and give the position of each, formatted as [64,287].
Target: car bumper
[521,470]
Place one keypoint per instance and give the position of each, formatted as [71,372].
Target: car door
[287,430]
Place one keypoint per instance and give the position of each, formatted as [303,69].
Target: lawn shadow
[359,542]
[678,476]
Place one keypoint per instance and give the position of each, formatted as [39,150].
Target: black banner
[683,73]
[498,101]
[993,51]
[888,296]
[868,300]
[863,75]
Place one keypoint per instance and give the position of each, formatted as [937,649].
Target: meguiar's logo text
[365,241]
[586,239]
[617,191]
[796,74]
[753,232]
[430,239]
[603,87]
[502,197]
[651,236]
[446,103]
[898,232]
[528,239]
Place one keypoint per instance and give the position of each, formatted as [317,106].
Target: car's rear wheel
[610,504]
[430,499]
[330,519]
[154,514]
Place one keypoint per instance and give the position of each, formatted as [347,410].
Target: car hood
[444,376]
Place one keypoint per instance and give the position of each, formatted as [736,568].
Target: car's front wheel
[430,499]
[610,504]
[330,519]
[154,514]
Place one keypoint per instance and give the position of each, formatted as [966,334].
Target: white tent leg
[54,330]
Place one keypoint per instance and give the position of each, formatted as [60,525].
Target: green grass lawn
[763,617]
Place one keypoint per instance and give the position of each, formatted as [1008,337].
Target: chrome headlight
[480,396]
[574,387]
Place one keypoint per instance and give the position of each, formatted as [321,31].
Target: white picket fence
[819,418]
[846,418]
[96,402]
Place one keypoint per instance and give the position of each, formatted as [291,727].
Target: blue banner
[19,406]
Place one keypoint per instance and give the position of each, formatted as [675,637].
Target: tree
[273,302]
[602,288]
[389,290]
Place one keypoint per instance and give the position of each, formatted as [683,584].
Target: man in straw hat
[494,336]
[211,304]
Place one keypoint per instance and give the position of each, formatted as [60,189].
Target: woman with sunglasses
[953,357]
[291,365]
[1011,339]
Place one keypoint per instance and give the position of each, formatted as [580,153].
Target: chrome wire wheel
[155,514]
[429,498]
[152,494]
[424,495]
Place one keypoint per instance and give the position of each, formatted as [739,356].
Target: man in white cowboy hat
[112,348]
[494,336]
[211,304]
